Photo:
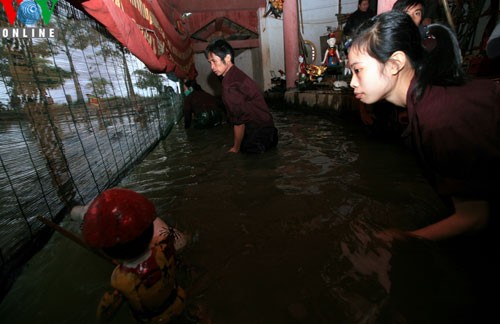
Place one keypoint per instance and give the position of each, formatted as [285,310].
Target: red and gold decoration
[274,8]
[142,27]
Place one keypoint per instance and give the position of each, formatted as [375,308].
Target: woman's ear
[397,62]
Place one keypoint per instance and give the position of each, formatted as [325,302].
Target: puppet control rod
[74,238]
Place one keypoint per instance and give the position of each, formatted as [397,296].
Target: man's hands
[239,132]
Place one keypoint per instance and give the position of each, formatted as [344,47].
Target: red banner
[142,27]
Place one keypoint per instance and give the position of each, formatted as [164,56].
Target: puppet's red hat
[117,216]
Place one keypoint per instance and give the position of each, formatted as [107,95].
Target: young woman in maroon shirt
[454,123]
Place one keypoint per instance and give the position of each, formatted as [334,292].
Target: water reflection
[50,137]
[290,236]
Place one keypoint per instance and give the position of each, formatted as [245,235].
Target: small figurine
[332,57]
[302,73]
[315,72]
[282,75]
[125,226]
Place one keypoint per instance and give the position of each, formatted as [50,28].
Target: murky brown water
[283,237]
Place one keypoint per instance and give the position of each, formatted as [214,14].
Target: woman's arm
[469,216]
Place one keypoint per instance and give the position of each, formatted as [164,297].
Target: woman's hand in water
[233,150]
[393,234]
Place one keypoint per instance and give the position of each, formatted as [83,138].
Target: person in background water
[200,108]
[453,122]
[125,226]
[355,19]
[247,110]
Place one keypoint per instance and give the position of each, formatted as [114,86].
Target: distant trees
[148,81]
[71,35]
[98,86]
[82,52]
[27,71]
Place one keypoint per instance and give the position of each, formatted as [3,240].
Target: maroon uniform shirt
[244,102]
[456,131]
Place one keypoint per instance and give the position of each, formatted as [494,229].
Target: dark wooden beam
[199,47]
[213,5]
[218,23]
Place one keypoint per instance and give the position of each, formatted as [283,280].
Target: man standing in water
[247,110]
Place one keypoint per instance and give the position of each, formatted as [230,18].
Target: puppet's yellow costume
[122,223]
[150,286]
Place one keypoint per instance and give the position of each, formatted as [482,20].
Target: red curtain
[157,40]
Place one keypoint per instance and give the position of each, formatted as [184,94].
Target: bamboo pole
[300,15]
[74,238]
[448,14]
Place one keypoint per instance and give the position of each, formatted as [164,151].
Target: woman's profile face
[371,79]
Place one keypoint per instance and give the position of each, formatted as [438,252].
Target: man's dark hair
[221,48]
[403,5]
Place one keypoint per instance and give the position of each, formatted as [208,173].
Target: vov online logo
[28,13]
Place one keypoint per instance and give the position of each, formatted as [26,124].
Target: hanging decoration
[274,8]
[141,26]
